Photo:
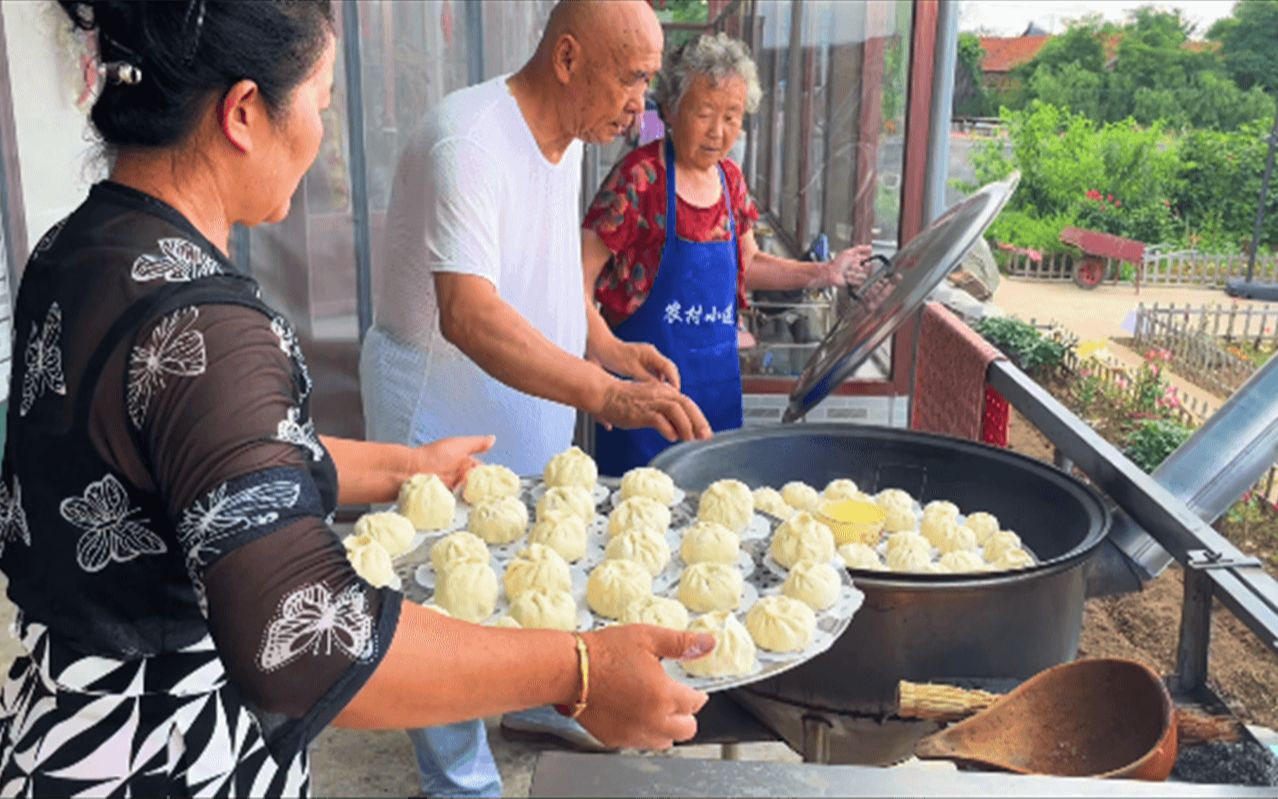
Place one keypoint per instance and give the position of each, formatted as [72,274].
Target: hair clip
[194,9]
[118,72]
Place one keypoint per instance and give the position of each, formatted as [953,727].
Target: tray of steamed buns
[762,570]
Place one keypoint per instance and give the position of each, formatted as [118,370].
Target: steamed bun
[860,556]
[658,610]
[572,467]
[567,499]
[909,559]
[727,502]
[983,525]
[800,496]
[638,512]
[646,547]
[370,561]
[1000,542]
[563,532]
[802,538]
[645,481]
[490,481]
[462,545]
[734,651]
[898,519]
[427,502]
[947,535]
[781,624]
[467,590]
[394,532]
[814,583]
[962,561]
[769,501]
[894,498]
[943,508]
[545,609]
[908,540]
[841,489]
[499,521]
[536,567]
[709,542]
[614,584]
[710,586]
[1012,558]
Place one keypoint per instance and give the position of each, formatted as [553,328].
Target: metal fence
[1193,337]
[1056,266]
[1158,269]
[1202,269]
[1115,379]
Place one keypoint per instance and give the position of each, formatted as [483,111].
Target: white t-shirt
[473,194]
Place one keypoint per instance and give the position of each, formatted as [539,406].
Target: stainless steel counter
[570,774]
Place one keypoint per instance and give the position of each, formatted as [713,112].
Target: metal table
[570,774]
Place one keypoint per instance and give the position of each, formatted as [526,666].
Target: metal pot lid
[893,294]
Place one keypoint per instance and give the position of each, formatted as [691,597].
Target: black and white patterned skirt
[161,726]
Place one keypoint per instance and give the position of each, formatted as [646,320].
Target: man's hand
[631,404]
[638,361]
[451,458]
[848,267]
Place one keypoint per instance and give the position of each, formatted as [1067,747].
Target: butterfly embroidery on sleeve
[171,349]
[46,241]
[179,261]
[290,346]
[109,534]
[43,361]
[301,434]
[222,514]
[312,621]
[13,519]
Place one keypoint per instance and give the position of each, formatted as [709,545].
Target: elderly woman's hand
[848,267]
[633,702]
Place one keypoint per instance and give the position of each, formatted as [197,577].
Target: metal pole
[1194,643]
[938,138]
[1264,191]
[475,42]
[358,165]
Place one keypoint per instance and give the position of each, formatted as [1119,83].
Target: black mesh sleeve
[221,422]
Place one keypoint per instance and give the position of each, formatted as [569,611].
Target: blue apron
[690,316]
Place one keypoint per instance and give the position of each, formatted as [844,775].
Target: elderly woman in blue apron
[668,248]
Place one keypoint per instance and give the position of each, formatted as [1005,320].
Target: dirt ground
[1144,626]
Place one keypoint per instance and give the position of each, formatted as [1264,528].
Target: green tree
[970,98]
[1249,43]
[1081,44]
[1070,86]
[1148,69]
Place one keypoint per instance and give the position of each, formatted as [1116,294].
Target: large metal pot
[922,627]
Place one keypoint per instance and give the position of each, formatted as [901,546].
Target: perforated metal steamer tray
[760,580]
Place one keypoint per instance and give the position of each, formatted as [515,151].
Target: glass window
[827,152]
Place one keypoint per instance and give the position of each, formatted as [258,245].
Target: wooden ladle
[1090,718]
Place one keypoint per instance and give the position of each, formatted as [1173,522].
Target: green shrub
[1022,343]
[1149,444]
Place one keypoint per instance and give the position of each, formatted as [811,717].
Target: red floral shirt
[629,216]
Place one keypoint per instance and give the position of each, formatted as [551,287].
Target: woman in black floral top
[190,620]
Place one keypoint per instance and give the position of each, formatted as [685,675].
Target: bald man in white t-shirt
[481,319]
[480,322]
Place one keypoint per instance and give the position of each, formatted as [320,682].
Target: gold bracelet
[583,662]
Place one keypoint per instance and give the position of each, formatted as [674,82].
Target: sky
[1011,17]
